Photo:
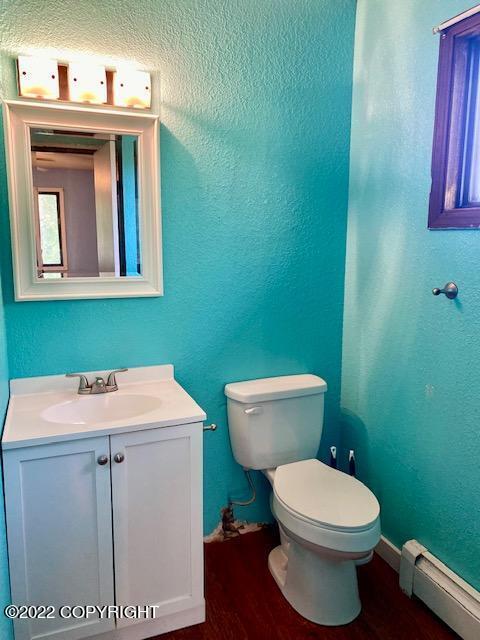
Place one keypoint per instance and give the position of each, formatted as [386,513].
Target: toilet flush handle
[253,411]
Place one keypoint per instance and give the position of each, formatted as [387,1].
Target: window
[455,193]
[51,240]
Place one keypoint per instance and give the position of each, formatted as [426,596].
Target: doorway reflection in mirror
[86,204]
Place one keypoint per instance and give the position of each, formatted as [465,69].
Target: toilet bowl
[329,521]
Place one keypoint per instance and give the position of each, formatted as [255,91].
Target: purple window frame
[445,212]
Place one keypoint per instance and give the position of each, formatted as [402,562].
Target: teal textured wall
[410,360]
[256,103]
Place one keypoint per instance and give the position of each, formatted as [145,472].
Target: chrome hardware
[210,427]
[253,411]
[102,460]
[450,290]
[119,457]
[111,380]
[99,386]
[83,386]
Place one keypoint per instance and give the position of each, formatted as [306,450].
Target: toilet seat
[325,496]
[326,507]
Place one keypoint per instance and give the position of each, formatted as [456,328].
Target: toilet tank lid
[265,389]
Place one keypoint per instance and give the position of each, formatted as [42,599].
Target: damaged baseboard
[422,574]
[239,527]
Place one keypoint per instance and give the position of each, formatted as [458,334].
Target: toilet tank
[274,421]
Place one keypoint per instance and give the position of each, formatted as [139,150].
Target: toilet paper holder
[210,427]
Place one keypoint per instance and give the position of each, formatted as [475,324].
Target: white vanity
[104,503]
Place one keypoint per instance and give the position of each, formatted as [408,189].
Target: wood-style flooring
[244,603]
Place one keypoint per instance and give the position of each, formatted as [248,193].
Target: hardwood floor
[244,603]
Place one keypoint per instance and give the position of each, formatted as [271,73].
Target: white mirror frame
[19,117]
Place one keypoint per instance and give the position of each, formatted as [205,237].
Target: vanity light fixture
[38,77]
[87,83]
[132,88]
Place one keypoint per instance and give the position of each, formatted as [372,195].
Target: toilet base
[322,588]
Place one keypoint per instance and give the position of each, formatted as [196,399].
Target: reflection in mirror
[86,204]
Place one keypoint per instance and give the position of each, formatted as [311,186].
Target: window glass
[469,191]
[455,192]
[49,219]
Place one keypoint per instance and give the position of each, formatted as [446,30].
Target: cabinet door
[157,518]
[58,506]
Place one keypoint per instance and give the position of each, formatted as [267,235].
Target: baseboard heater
[442,590]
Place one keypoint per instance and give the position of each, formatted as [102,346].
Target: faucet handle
[83,386]
[111,380]
[98,386]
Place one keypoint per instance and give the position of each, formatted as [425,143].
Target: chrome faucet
[99,385]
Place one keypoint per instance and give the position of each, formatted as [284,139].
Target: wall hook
[450,290]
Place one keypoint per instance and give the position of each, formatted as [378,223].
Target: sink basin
[99,408]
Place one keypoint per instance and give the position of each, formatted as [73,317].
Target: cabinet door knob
[102,460]
[119,457]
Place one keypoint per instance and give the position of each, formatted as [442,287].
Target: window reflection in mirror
[86,204]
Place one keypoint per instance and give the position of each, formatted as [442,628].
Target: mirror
[84,194]
[85,204]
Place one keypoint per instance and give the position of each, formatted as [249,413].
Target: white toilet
[329,521]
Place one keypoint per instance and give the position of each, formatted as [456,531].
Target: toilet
[329,522]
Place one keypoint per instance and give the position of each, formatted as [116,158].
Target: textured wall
[410,360]
[255,138]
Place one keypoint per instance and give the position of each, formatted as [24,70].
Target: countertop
[32,399]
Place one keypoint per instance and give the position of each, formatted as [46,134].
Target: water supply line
[229,526]
[245,503]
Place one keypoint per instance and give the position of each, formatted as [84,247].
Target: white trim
[422,574]
[455,601]
[19,115]
[458,18]
[79,106]
[389,552]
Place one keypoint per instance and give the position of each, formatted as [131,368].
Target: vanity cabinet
[59,527]
[157,518]
[113,519]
